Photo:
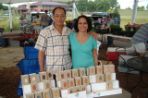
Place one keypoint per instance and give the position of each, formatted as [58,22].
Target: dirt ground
[9,73]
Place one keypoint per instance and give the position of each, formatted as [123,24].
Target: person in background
[45,19]
[83,45]
[37,26]
[53,44]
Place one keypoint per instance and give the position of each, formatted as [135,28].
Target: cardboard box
[110,92]
[81,94]
[98,86]
[65,93]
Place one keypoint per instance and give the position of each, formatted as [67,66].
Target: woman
[83,45]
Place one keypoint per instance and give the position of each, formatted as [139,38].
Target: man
[141,36]
[53,44]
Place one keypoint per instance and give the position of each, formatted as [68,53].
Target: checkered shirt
[56,47]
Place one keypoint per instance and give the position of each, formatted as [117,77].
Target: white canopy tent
[10,2]
[75,11]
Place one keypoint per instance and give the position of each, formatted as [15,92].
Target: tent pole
[10,17]
[134,13]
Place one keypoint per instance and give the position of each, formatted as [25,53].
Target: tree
[82,5]
[141,8]
[3,7]
[97,5]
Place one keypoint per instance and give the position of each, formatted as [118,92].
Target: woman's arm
[95,56]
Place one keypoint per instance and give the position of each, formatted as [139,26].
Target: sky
[125,3]
[129,3]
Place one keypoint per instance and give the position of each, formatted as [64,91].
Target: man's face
[59,17]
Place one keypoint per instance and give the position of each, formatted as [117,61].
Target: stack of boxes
[92,82]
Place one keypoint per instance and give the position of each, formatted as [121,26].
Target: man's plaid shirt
[56,47]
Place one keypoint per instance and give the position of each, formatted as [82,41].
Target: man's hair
[59,7]
[87,20]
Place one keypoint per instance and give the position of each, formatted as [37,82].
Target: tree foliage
[3,7]
[140,8]
[97,5]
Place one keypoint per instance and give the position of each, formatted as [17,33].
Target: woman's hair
[87,20]
[59,7]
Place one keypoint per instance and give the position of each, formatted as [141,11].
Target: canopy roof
[20,1]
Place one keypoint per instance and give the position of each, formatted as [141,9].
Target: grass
[4,22]
[126,15]
[125,19]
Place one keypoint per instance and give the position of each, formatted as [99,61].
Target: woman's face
[82,25]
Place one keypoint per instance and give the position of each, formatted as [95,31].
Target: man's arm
[41,58]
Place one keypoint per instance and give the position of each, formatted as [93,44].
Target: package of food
[34,78]
[34,87]
[67,74]
[43,76]
[47,93]
[38,95]
[82,72]
[56,92]
[25,79]
[71,82]
[91,71]
[85,80]
[99,78]
[64,84]
[31,95]
[75,73]
[78,81]
[99,69]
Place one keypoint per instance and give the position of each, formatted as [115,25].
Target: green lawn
[142,17]
[126,15]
